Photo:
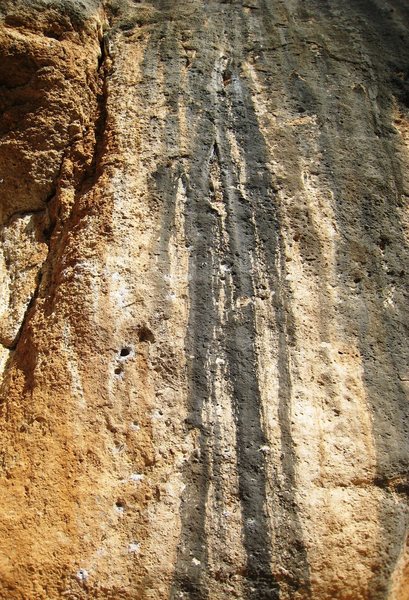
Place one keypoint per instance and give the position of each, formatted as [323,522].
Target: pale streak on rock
[226,559]
[72,368]
[146,292]
[339,466]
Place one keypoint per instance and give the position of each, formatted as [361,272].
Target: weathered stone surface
[203,309]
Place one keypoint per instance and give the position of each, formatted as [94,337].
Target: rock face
[203,308]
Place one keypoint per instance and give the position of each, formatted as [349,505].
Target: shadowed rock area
[203,299]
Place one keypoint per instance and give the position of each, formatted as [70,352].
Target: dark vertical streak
[164,42]
[200,232]
[192,552]
[261,206]
[242,361]
[240,348]
[254,220]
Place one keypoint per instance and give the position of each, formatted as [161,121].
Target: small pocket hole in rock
[146,335]
[118,371]
[125,352]
[383,242]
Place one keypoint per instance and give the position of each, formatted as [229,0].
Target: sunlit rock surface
[203,305]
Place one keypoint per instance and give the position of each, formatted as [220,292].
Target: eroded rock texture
[203,309]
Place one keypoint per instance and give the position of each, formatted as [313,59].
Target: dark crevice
[92,173]
[23,213]
[49,223]
[45,232]
[30,306]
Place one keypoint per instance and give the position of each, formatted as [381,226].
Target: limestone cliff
[203,305]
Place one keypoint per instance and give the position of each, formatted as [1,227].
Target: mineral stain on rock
[203,299]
